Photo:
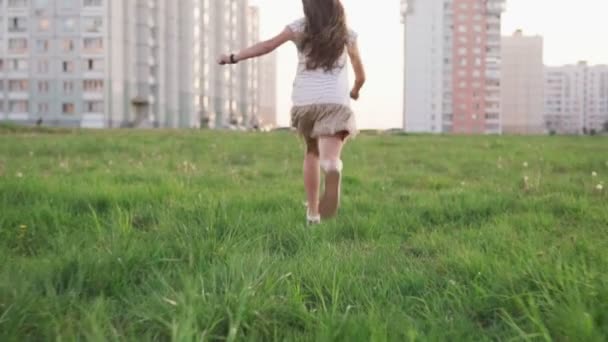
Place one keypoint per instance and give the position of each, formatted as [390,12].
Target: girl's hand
[223,60]
[354,94]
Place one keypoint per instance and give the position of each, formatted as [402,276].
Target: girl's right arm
[355,60]
[259,49]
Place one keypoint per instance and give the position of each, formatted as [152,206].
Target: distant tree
[585,130]
[606,126]
[592,132]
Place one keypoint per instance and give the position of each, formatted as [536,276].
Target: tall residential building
[452,65]
[576,98]
[268,91]
[115,63]
[522,84]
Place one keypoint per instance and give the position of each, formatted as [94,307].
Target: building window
[44,24]
[93,86]
[42,45]
[93,44]
[93,24]
[43,108]
[43,67]
[69,25]
[68,3]
[17,3]
[18,106]
[43,87]
[93,64]
[68,108]
[17,65]
[92,3]
[68,67]
[17,85]
[17,24]
[68,87]
[93,106]
[68,45]
[17,45]
[41,3]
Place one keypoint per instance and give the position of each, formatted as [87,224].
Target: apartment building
[522,84]
[576,98]
[452,66]
[115,63]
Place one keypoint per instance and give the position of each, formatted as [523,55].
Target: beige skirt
[313,121]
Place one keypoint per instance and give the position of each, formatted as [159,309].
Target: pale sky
[572,31]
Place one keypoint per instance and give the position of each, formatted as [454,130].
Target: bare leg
[330,150]
[312,177]
[312,180]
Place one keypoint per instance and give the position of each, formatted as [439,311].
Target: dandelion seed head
[599,187]
[593,174]
[525,164]
[19,175]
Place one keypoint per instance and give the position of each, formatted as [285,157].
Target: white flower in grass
[525,164]
[19,175]
[593,174]
[31,153]
[170,301]
[599,187]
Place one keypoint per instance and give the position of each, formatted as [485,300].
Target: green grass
[191,236]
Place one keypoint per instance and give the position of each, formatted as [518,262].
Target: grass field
[192,236]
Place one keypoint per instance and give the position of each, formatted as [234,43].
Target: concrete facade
[115,63]
[576,99]
[522,84]
[452,66]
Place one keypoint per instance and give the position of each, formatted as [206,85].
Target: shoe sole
[330,202]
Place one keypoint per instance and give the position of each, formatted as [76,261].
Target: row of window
[19,24]
[94,86]
[43,108]
[22,4]
[43,66]
[42,46]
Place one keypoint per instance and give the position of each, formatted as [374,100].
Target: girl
[321,110]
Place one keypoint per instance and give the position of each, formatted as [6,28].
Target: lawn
[198,235]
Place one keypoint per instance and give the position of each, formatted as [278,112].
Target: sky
[572,31]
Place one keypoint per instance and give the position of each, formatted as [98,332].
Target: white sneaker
[312,219]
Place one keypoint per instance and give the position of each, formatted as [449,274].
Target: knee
[328,165]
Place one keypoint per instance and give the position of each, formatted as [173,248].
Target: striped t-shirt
[319,86]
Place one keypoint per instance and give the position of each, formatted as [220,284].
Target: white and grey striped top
[319,86]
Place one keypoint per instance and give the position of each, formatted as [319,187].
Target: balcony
[92,95]
[18,116]
[18,95]
[496,6]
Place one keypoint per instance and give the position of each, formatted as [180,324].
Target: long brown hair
[325,35]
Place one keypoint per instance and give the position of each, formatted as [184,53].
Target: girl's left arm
[259,49]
